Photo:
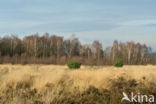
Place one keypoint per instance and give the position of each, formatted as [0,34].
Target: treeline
[52,49]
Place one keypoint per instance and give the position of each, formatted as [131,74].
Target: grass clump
[118,63]
[73,65]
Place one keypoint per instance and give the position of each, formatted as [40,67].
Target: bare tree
[97,49]
[54,49]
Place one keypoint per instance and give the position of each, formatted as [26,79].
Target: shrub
[1,62]
[118,63]
[73,65]
[13,63]
[94,63]
[24,62]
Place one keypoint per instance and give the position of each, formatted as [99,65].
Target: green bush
[73,65]
[1,62]
[13,63]
[94,63]
[24,62]
[118,63]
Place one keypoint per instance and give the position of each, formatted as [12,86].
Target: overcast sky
[103,20]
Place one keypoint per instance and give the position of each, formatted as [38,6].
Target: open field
[54,84]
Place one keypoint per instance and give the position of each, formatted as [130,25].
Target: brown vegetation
[51,84]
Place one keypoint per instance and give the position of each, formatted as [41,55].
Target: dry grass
[60,78]
[98,77]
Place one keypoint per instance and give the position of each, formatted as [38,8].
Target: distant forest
[52,49]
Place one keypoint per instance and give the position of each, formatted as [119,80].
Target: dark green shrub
[13,63]
[24,62]
[118,63]
[1,62]
[73,65]
[94,63]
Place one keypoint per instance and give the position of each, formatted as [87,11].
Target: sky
[89,20]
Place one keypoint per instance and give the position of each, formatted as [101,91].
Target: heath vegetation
[56,84]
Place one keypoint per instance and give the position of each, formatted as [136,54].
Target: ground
[55,84]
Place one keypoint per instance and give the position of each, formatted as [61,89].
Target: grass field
[54,84]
